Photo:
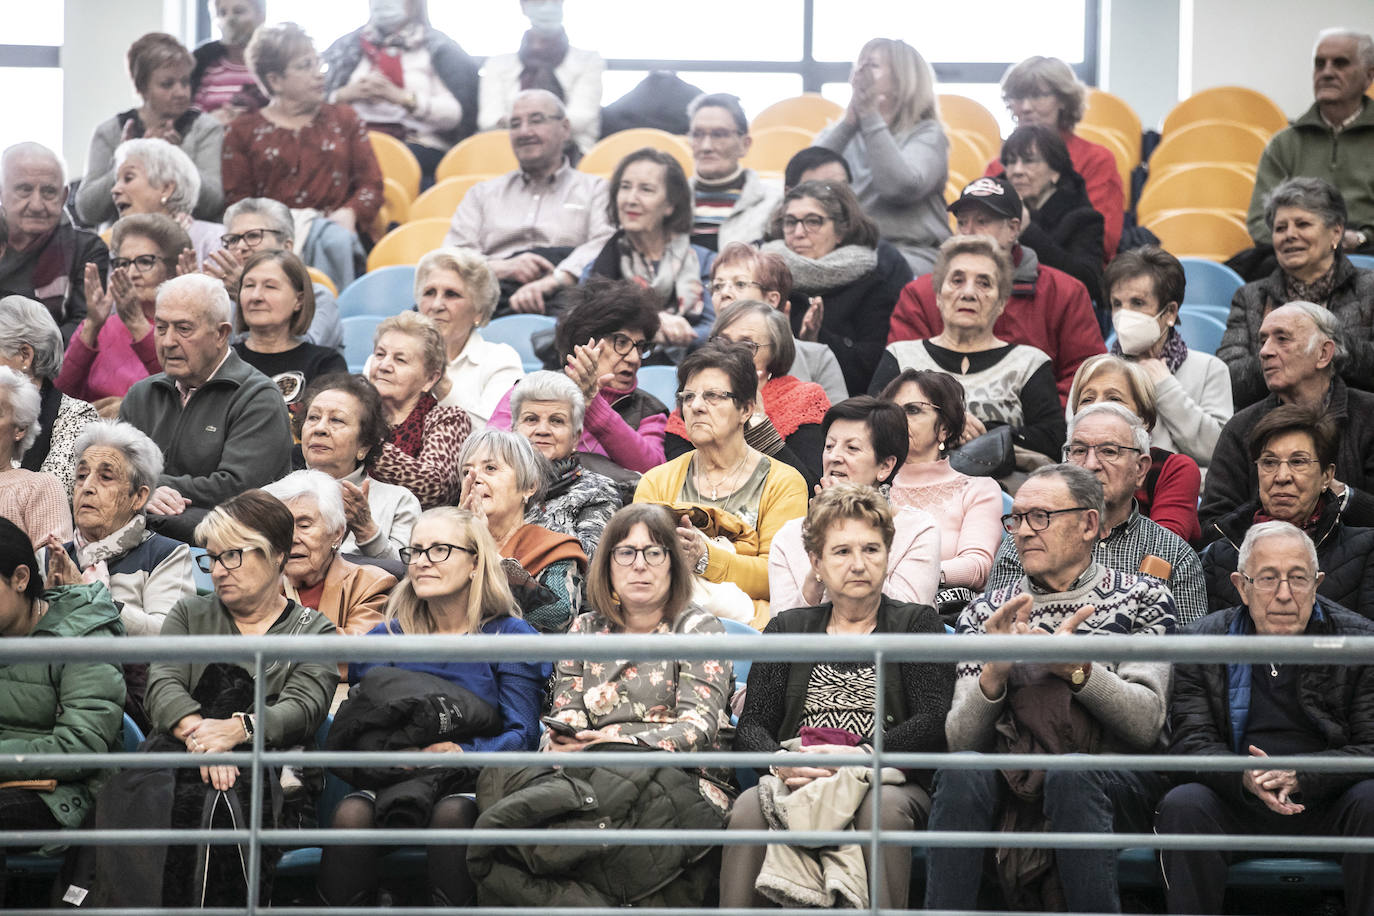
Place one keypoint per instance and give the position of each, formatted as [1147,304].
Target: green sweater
[57,708]
[1312,149]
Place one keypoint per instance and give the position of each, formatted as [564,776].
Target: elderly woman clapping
[32,345]
[547,409]
[153,176]
[34,500]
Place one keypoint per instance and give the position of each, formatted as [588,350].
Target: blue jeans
[1075,801]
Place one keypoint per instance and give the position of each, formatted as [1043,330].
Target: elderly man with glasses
[1044,707]
[1269,709]
[1112,443]
[730,203]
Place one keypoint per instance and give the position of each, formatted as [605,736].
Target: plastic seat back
[602,158]
[408,244]
[1201,329]
[358,334]
[1114,113]
[1209,283]
[442,200]
[1199,186]
[517,330]
[1209,141]
[385,291]
[772,147]
[661,382]
[1200,233]
[1232,103]
[809,111]
[487,153]
[959,112]
[397,162]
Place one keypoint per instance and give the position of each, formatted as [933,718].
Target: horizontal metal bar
[1327,650]
[525,911]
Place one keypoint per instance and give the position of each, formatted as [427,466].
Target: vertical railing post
[255,815]
[875,845]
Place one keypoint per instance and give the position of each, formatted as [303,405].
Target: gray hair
[29,148]
[513,450]
[28,322]
[724,100]
[479,282]
[205,290]
[316,485]
[549,386]
[274,211]
[142,454]
[784,346]
[1265,530]
[1364,44]
[1083,486]
[1139,434]
[559,109]
[1327,327]
[1314,195]
[164,163]
[24,403]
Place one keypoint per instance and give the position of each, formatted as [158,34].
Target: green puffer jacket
[64,708]
[584,797]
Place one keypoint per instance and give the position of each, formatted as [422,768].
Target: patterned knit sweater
[1129,699]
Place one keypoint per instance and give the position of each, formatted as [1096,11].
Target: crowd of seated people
[858,394]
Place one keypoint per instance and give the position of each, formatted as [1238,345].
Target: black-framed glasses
[252,238]
[624,343]
[713,397]
[434,553]
[739,286]
[754,348]
[1298,464]
[919,408]
[808,223]
[1298,583]
[229,559]
[624,555]
[1038,519]
[144,262]
[1109,452]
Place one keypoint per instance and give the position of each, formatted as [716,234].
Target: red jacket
[1097,165]
[1169,496]
[1048,310]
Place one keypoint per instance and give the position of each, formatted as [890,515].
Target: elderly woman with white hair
[456,290]
[547,408]
[350,595]
[32,345]
[503,475]
[33,500]
[153,176]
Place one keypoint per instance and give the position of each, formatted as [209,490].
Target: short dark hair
[852,225]
[17,550]
[663,532]
[299,277]
[886,423]
[723,100]
[674,185]
[943,390]
[1040,138]
[1164,270]
[151,51]
[600,307]
[807,159]
[734,359]
[373,429]
[1290,418]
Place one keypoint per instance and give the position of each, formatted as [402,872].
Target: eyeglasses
[434,553]
[1107,452]
[623,344]
[719,135]
[624,555]
[809,224]
[1298,464]
[252,238]
[754,348]
[918,408]
[712,398]
[229,559]
[1038,519]
[739,286]
[1298,583]
[144,262]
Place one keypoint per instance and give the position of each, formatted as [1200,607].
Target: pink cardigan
[970,514]
[605,433]
[110,369]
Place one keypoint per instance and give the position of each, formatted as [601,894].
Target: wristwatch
[700,568]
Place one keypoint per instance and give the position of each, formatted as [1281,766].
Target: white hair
[205,290]
[543,95]
[1364,44]
[142,454]
[28,322]
[1265,530]
[1139,434]
[162,164]
[29,148]
[25,404]
[1326,326]
[316,485]
[549,386]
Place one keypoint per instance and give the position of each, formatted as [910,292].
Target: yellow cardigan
[784,498]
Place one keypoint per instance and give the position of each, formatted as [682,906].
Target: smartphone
[559,726]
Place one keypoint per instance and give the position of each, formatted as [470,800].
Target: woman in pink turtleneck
[968,509]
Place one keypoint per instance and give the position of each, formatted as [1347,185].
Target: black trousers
[22,809]
[1195,880]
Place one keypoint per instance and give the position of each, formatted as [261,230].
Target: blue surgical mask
[388,15]
[544,15]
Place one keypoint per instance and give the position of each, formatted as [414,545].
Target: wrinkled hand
[99,305]
[1065,670]
[811,321]
[1273,787]
[862,98]
[1011,619]
[167,501]
[529,299]
[442,747]
[1155,368]
[357,512]
[973,428]
[345,217]
[471,500]
[222,778]
[582,369]
[579,741]
[521,268]
[61,569]
[224,265]
[108,408]
[162,130]
[693,541]
[187,262]
[215,736]
[674,330]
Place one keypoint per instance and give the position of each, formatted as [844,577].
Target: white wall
[1140,55]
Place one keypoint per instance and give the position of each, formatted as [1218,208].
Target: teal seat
[358,332]
[1201,330]
[1362,261]
[204,584]
[661,382]
[1208,282]
[384,292]
[518,331]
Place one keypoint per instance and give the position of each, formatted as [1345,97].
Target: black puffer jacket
[1066,232]
[1339,699]
[1344,553]
[585,797]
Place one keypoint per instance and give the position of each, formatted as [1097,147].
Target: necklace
[715,487]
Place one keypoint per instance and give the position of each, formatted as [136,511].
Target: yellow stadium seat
[1239,168]
[965,158]
[322,278]
[772,147]
[407,244]
[1209,141]
[1200,233]
[1227,103]
[1111,111]
[1113,141]
[810,112]
[986,151]
[487,153]
[395,207]
[440,201]
[397,162]
[106,234]
[602,158]
[959,112]
[1213,187]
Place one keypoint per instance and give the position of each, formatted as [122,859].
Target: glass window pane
[323,21]
[1055,29]
[29,23]
[756,91]
[33,106]
[705,30]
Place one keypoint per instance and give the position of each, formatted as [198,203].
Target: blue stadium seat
[1201,329]
[661,382]
[385,291]
[1362,261]
[358,332]
[1209,283]
[517,330]
[1006,502]
[741,665]
[204,584]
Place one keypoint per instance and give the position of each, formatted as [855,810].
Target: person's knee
[454,812]
[746,814]
[965,788]
[1185,809]
[354,814]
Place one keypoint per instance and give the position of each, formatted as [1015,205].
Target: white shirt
[479,375]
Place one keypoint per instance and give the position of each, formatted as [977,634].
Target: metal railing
[880,649]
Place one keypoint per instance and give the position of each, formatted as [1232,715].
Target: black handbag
[990,455]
